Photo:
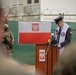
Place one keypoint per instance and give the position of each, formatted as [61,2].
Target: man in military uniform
[8,40]
[9,66]
[64,33]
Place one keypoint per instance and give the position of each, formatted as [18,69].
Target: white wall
[45,7]
[56,7]
[59,5]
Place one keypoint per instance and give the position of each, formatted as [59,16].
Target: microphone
[54,39]
[51,39]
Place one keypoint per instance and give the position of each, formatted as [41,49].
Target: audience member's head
[1,22]
[67,62]
[9,66]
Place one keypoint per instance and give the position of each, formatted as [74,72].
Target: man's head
[59,21]
[5,27]
[67,62]
[1,22]
[9,66]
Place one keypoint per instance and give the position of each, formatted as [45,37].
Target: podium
[45,61]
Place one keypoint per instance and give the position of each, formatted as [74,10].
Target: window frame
[29,2]
[36,0]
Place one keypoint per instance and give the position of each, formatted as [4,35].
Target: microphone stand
[52,59]
[57,38]
[57,48]
[47,49]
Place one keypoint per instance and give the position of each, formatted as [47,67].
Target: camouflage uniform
[10,40]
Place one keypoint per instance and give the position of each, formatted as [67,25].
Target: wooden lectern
[48,62]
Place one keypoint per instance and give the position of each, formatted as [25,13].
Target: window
[29,1]
[36,1]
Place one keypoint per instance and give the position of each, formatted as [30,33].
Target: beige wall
[18,9]
[45,7]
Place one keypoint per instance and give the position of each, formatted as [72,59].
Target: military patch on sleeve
[63,34]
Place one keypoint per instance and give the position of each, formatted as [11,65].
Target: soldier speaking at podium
[64,33]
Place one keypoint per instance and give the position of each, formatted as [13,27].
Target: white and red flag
[34,32]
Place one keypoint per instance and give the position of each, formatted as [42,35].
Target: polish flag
[34,32]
